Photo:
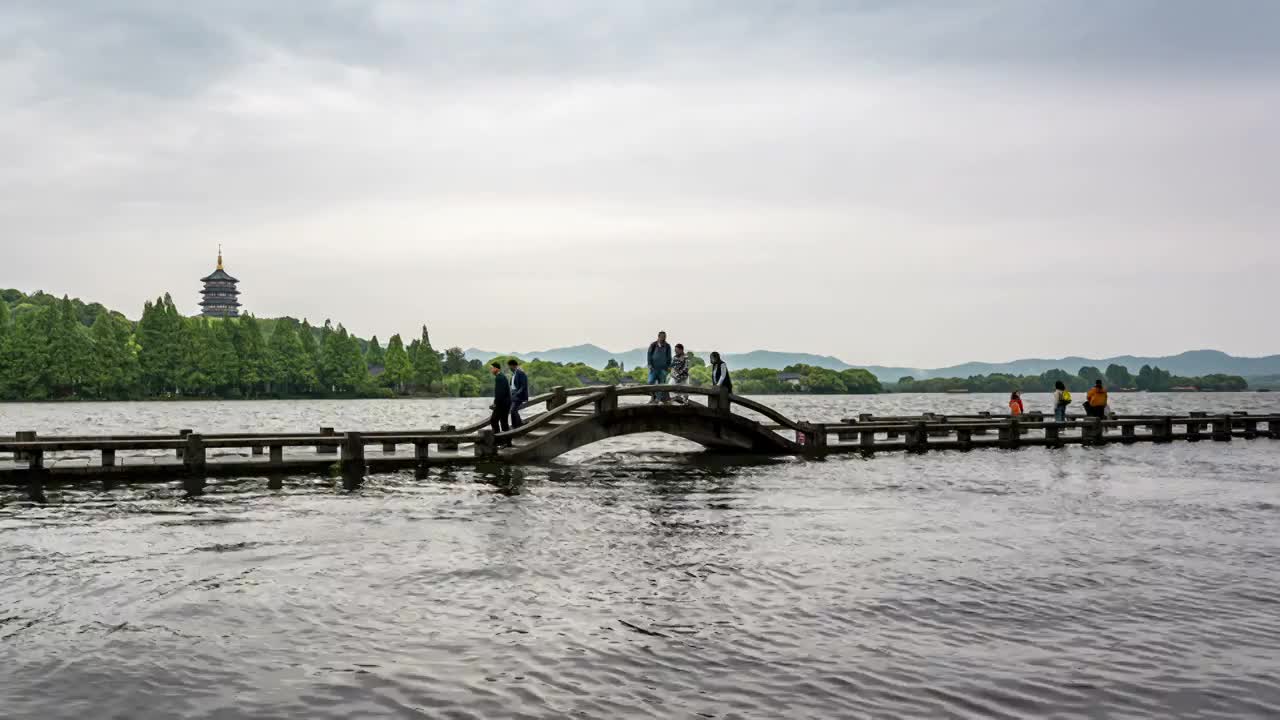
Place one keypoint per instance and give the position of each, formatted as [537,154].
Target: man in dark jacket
[519,391]
[501,399]
[659,359]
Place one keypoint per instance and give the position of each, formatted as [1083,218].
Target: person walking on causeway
[519,391]
[500,418]
[659,359]
[1061,399]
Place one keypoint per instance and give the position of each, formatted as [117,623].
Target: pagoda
[219,293]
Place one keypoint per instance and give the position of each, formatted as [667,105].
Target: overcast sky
[916,183]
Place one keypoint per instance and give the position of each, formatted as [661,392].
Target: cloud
[889,182]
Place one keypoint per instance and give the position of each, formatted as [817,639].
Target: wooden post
[918,437]
[35,459]
[277,455]
[1222,429]
[1010,435]
[1193,428]
[558,397]
[108,457]
[608,400]
[182,435]
[1051,435]
[448,445]
[865,417]
[1248,424]
[866,440]
[326,449]
[1091,431]
[1127,434]
[1162,430]
[421,453]
[815,437]
[353,463]
[964,438]
[1273,427]
[388,448]
[718,400]
[256,450]
[486,443]
[193,463]
[23,436]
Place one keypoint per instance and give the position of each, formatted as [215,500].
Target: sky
[898,182]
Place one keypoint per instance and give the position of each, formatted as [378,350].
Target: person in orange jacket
[1015,404]
[1095,403]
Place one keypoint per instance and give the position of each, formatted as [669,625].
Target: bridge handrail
[713,391]
[545,417]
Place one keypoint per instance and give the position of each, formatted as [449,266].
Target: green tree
[427,368]
[455,361]
[292,368]
[375,356]
[223,362]
[115,368]
[398,371]
[612,365]
[251,355]
[70,353]
[1118,376]
[860,382]
[159,341]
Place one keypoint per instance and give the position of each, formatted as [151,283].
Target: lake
[641,578]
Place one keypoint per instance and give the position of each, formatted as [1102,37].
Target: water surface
[640,578]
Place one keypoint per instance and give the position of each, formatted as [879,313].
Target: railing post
[353,463]
[1091,431]
[1248,424]
[1162,430]
[964,438]
[23,436]
[608,399]
[256,450]
[1127,434]
[448,445]
[815,437]
[1222,429]
[918,437]
[866,440]
[1010,437]
[388,448]
[421,453]
[277,455]
[193,464]
[326,449]
[182,435]
[1051,436]
[486,443]
[108,457]
[1273,427]
[1194,428]
[35,459]
[558,397]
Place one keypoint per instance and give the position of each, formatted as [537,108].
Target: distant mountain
[1190,363]
[598,357]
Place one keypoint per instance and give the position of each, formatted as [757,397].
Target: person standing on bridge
[680,373]
[659,359]
[720,373]
[500,418]
[519,391]
[1015,404]
[1061,399]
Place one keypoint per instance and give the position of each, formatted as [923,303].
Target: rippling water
[637,579]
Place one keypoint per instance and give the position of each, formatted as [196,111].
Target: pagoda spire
[219,256]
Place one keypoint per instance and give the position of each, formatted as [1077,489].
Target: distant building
[218,298]
[790,378]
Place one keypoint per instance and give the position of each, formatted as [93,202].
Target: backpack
[1066,397]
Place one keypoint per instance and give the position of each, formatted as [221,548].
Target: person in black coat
[501,399]
[519,391]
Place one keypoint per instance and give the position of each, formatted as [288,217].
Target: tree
[860,382]
[1118,376]
[611,365]
[69,351]
[375,356]
[1089,375]
[115,368]
[292,369]
[455,361]
[250,354]
[6,360]
[159,335]
[398,371]
[427,368]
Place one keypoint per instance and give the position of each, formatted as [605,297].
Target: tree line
[1115,377]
